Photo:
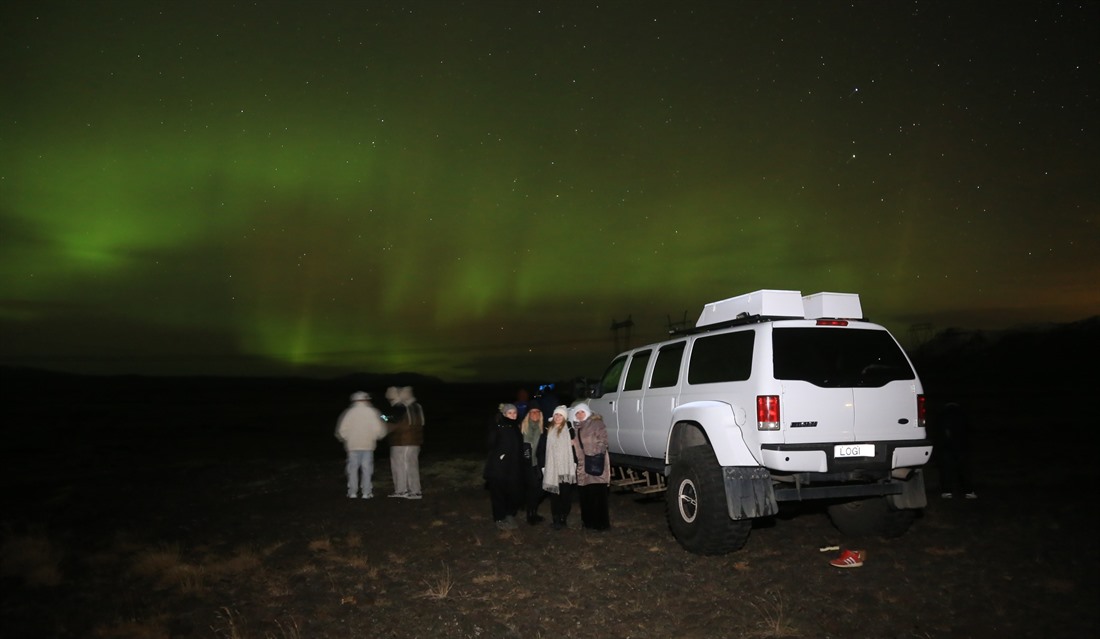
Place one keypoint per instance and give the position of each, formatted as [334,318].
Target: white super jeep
[771,397]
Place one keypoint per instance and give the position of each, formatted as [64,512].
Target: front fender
[724,425]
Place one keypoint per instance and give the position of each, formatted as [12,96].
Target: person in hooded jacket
[359,428]
[406,437]
[504,466]
[594,489]
[559,476]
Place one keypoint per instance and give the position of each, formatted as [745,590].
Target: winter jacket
[505,446]
[360,427]
[407,427]
[592,440]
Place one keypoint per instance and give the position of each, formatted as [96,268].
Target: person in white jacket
[360,427]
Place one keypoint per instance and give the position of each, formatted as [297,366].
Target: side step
[645,482]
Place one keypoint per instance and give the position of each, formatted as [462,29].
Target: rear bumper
[818,458]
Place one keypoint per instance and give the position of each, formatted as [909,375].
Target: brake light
[922,411]
[825,322]
[767,412]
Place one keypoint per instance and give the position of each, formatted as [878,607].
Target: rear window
[838,357]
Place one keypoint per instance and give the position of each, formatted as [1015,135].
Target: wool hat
[504,408]
[360,396]
[582,406]
[563,411]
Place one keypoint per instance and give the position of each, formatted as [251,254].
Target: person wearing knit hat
[504,468]
[559,476]
[359,428]
[593,468]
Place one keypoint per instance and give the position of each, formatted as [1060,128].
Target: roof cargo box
[833,305]
[765,303]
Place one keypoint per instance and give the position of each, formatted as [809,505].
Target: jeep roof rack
[768,305]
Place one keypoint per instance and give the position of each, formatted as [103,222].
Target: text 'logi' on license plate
[854,450]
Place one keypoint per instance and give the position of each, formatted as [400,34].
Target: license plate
[854,450]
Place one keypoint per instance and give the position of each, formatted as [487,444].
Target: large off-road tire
[872,516]
[696,506]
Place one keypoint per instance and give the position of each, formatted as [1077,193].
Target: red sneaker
[848,559]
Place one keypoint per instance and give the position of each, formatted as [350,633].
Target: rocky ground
[160,530]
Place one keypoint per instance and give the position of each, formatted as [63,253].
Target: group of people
[531,458]
[361,426]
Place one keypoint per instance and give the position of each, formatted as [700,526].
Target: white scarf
[560,467]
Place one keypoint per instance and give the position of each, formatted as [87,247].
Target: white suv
[772,397]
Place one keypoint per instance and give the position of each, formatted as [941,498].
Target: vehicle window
[666,370]
[721,358]
[838,358]
[609,383]
[636,372]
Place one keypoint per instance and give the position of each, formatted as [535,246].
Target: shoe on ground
[398,495]
[413,496]
[368,496]
[848,559]
[972,495]
[351,496]
[947,495]
[508,523]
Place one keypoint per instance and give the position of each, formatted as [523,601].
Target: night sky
[476,190]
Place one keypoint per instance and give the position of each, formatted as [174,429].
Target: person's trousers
[533,489]
[503,498]
[405,466]
[594,506]
[562,502]
[360,461]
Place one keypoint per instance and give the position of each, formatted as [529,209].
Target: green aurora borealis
[476,189]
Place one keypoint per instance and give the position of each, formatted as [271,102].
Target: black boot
[533,516]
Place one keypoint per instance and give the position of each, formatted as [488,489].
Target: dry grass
[773,616]
[439,587]
[33,559]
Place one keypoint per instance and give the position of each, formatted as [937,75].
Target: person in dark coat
[504,467]
[951,450]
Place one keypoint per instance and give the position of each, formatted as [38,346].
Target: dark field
[135,508]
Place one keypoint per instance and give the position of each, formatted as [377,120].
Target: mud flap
[749,492]
[912,493]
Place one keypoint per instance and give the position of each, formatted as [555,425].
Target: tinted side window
[609,383]
[636,371]
[838,357]
[666,371]
[721,358]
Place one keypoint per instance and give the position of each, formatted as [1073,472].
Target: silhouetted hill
[1028,358]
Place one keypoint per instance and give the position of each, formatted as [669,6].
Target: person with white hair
[593,468]
[360,427]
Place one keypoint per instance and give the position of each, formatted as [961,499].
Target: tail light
[767,412]
[922,412]
[832,322]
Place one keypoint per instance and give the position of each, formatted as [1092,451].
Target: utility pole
[676,327]
[616,327]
